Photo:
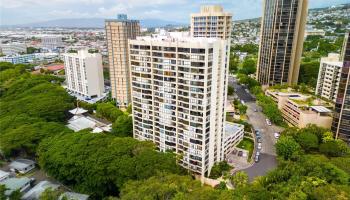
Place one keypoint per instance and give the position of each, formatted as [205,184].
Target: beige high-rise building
[281,41]
[118,32]
[211,22]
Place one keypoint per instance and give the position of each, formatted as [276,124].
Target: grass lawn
[247,144]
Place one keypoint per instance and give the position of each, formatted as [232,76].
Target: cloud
[32,3]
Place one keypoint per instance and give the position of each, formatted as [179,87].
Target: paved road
[267,162]
[240,90]
[258,120]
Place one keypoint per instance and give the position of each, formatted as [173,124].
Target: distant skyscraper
[281,42]
[84,73]
[341,121]
[179,87]
[211,22]
[118,31]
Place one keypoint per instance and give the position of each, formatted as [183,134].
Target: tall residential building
[329,77]
[341,121]
[212,21]
[179,94]
[281,41]
[84,73]
[118,32]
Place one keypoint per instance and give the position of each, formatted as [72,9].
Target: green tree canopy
[123,127]
[286,147]
[100,164]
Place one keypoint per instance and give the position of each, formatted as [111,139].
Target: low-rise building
[17,59]
[38,189]
[82,120]
[13,48]
[14,184]
[22,166]
[234,134]
[4,175]
[300,110]
[329,77]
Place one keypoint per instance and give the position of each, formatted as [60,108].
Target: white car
[277,135]
[259,146]
[268,122]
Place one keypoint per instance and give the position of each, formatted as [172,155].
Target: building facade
[281,41]
[19,59]
[301,110]
[51,41]
[179,94]
[329,77]
[13,48]
[211,22]
[118,32]
[84,73]
[341,122]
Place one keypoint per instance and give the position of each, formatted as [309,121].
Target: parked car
[277,135]
[257,158]
[258,134]
[240,153]
[255,110]
[259,146]
[268,122]
[259,139]
[257,153]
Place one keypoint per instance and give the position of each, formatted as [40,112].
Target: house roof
[55,67]
[13,184]
[74,196]
[4,174]
[38,189]
[21,163]
[78,111]
[78,123]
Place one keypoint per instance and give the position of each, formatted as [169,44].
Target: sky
[28,11]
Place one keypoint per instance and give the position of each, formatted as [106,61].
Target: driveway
[258,120]
[267,163]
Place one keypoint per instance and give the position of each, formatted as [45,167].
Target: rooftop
[74,196]
[177,37]
[39,188]
[21,163]
[13,184]
[321,109]
[3,173]
[232,128]
[78,111]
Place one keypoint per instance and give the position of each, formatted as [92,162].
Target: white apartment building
[329,77]
[84,73]
[13,48]
[51,41]
[234,134]
[178,86]
[212,21]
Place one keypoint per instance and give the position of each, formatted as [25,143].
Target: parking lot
[238,158]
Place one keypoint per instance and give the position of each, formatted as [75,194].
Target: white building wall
[84,73]
[329,77]
[167,94]
[13,48]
